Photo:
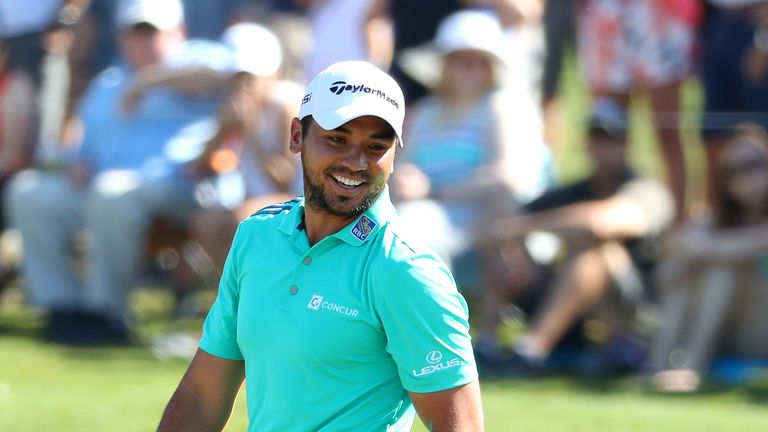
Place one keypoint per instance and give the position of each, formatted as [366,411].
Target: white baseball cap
[254,48]
[162,14]
[350,89]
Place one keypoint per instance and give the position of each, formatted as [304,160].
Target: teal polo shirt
[334,336]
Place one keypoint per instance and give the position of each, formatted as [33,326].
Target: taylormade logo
[340,87]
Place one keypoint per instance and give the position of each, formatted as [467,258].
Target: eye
[379,148]
[336,139]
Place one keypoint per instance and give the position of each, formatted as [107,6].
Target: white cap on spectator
[161,14]
[255,49]
[463,30]
[351,89]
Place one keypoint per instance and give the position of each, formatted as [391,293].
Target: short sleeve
[220,327]
[425,319]
[653,198]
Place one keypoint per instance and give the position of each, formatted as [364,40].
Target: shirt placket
[304,276]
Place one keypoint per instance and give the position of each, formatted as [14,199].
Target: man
[338,322]
[608,221]
[127,170]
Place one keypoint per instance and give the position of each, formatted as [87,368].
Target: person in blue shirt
[326,307]
[128,169]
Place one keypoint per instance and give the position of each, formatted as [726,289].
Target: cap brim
[331,119]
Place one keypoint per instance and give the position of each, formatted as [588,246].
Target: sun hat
[255,49]
[162,14]
[350,89]
[463,30]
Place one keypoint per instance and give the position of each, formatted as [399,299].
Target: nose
[355,159]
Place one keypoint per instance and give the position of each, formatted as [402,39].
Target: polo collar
[357,232]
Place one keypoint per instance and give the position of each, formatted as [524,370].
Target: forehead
[368,125]
[469,54]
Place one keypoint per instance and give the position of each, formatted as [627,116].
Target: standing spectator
[127,170]
[628,46]
[712,275]
[609,222]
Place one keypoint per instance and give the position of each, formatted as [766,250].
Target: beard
[340,206]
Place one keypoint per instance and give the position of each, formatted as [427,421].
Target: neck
[604,184]
[320,225]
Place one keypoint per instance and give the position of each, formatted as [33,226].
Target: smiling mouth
[347,182]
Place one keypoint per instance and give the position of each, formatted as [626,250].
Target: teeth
[348,182]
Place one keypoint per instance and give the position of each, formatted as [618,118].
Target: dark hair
[306,122]
[728,212]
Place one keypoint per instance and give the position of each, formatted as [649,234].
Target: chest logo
[315,302]
[363,228]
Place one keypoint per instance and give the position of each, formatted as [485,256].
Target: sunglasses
[745,166]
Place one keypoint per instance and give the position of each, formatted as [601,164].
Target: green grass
[45,387]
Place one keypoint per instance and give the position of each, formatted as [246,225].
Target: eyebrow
[389,134]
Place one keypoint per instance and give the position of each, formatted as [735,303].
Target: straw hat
[463,30]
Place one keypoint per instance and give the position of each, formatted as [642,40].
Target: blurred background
[594,172]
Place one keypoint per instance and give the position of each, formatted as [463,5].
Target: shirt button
[307,260]
[294,289]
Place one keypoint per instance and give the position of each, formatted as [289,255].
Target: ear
[296,138]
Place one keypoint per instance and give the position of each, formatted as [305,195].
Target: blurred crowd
[128,127]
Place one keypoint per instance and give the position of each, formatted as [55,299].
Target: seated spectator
[608,223]
[712,275]
[253,125]
[473,147]
[127,170]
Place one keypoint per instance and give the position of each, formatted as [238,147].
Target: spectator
[474,147]
[609,222]
[127,170]
[253,125]
[712,275]
[638,45]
